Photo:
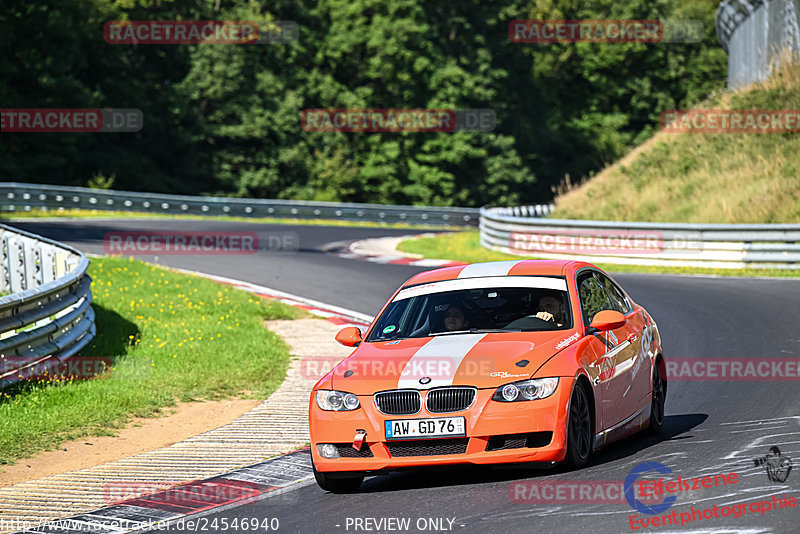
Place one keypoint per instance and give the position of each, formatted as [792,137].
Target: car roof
[500,268]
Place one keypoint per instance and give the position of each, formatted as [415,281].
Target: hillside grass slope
[704,178]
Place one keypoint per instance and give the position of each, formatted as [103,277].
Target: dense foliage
[224,119]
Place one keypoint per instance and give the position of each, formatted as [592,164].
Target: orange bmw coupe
[490,363]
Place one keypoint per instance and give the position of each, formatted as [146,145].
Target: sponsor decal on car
[567,341]
[503,374]
[613,337]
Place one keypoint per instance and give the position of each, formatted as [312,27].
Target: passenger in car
[455,319]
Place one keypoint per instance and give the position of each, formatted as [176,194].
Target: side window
[615,296]
[593,297]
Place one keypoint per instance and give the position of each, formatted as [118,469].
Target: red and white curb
[384,250]
[329,312]
[181,507]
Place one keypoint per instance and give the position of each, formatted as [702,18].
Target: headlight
[526,390]
[336,401]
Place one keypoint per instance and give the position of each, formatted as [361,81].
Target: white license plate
[425,428]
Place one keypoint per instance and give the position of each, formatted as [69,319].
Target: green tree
[225,119]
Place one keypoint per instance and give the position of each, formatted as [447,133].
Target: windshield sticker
[389,329]
[491,282]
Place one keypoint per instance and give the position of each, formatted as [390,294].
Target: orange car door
[616,352]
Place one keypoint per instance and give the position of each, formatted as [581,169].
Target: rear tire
[337,485]
[659,399]
[579,429]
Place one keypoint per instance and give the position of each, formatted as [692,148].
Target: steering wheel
[531,322]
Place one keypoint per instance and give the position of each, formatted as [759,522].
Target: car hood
[480,360]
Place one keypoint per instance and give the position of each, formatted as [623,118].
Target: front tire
[579,429]
[659,399]
[337,485]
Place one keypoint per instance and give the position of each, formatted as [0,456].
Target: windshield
[452,307]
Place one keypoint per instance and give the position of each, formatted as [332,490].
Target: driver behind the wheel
[551,308]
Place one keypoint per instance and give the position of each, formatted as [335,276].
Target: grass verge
[172,338]
[11,216]
[466,247]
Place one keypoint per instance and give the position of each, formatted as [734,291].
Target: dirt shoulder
[184,421]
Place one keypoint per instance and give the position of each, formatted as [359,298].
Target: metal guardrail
[48,313]
[755,33]
[689,245]
[24,197]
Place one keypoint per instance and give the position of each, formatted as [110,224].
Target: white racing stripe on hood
[437,359]
[492,268]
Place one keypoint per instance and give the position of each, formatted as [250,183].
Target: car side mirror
[608,320]
[349,337]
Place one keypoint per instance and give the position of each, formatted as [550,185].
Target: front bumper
[485,421]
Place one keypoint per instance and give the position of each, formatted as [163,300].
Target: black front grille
[400,402]
[428,447]
[346,450]
[450,399]
[519,441]
[499,443]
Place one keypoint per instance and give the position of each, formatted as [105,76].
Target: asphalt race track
[712,427]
